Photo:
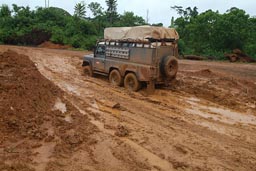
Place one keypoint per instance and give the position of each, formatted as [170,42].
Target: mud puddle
[219,113]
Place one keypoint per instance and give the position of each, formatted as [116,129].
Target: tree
[212,34]
[112,10]
[208,33]
[172,23]
[95,8]
[80,10]
[129,19]
[5,11]
[233,26]
[187,13]
[158,24]
[250,46]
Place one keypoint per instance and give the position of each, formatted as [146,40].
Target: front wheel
[88,71]
[131,82]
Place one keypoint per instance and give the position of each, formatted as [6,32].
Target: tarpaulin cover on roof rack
[140,33]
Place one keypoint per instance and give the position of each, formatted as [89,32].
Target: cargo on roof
[140,33]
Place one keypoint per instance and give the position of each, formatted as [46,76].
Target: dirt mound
[205,73]
[35,116]
[26,96]
[51,45]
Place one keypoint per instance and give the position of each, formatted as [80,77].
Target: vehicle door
[99,58]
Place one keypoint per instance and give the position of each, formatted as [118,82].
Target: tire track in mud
[157,119]
[153,159]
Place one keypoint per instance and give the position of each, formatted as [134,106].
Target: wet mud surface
[55,118]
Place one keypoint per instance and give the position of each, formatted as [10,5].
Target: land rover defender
[130,60]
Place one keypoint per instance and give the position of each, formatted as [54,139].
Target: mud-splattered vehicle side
[132,62]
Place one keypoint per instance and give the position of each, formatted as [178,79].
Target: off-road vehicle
[134,56]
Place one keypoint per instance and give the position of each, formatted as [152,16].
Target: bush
[250,49]
[89,44]
[213,54]
[58,36]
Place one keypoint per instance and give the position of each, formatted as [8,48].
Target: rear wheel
[88,71]
[115,78]
[131,82]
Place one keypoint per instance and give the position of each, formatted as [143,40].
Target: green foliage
[23,26]
[5,11]
[181,46]
[214,54]
[157,24]
[212,34]
[208,33]
[130,19]
[80,10]
[111,11]
[96,9]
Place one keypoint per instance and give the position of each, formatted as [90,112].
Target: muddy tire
[88,71]
[115,78]
[169,67]
[131,82]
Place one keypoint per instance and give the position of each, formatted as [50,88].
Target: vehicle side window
[101,50]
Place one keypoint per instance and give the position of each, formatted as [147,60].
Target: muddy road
[205,120]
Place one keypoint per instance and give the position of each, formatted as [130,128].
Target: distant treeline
[209,33]
[213,34]
[22,26]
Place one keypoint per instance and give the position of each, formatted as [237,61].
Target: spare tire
[169,67]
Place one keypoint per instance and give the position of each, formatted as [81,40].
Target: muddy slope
[34,117]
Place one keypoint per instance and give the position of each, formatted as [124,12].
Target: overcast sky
[159,10]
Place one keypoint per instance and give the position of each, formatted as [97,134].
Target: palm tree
[111,11]
[80,10]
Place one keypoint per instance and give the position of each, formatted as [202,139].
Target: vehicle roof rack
[146,41]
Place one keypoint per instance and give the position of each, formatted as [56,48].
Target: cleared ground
[205,120]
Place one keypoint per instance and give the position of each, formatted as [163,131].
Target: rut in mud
[205,120]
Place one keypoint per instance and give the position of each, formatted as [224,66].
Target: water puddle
[220,114]
[235,116]
[213,127]
[95,105]
[72,89]
[59,105]
[100,108]
[193,99]
[110,110]
[68,118]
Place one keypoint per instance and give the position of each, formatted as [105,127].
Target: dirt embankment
[35,118]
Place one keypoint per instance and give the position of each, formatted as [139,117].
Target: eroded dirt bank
[206,120]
